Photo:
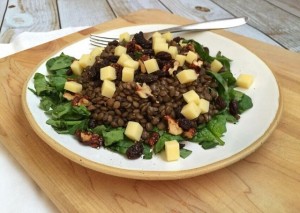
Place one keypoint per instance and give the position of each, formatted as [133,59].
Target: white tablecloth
[18,192]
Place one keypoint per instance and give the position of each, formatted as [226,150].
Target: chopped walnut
[143,91]
[190,133]
[89,139]
[173,126]
[174,68]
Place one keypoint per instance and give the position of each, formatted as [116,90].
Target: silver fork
[101,41]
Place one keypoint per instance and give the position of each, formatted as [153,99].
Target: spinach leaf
[184,153]
[113,136]
[58,82]
[217,125]
[204,55]
[220,79]
[245,103]
[41,85]
[147,152]
[121,146]
[60,62]
[228,77]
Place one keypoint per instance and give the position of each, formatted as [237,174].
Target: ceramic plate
[240,139]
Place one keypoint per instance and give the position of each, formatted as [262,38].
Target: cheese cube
[190,110]
[133,130]
[85,60]
[108,88]
[186,76]
[203,105]
[191,56]
[216,65]
[119,50]
[123,58]
[131,63]
[168,36]
[180,59]
[244,80]
[124,37]
[127,74]
[76,68]
[156,34]
[173,51]
[96,52]
[172,150]
[151,65]
[73,86]
[160,47]
[108,73]
[191,96]
[157,40]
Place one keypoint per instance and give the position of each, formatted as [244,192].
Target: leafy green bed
[66,118]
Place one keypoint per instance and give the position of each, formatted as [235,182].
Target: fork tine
[100,40]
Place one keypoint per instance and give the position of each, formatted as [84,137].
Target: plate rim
[140,174]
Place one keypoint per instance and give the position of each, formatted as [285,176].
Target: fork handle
[210,25]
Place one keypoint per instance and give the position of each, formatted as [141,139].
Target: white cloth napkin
[18,193]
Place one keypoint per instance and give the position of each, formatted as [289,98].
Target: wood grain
[84,13]
[42,12]
[291,6]
[273,21]
[266,181]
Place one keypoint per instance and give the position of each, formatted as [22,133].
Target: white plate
[240,139]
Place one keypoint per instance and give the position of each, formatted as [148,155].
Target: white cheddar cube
[191,56]
[85,60]
[151,65]
[124,37]
[191,96]
[108,73]
[168,36]
[204,105]
[133,130]
[96,52]
[127,74]
[160,47]
[157,40]
[73,86]
[131,63]
[216,65]
[119,50]
[172,150]
[123,58]
[180,59]
[186,76]
[190,110]
[244,80]
[156,34]
[76,68]
[173,51]
[108,88]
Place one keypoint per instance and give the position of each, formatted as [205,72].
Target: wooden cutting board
[267,180]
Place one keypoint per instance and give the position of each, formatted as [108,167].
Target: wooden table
[273,21]
[266,181]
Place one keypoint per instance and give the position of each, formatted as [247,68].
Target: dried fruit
[185,124]
[135,151]
[233,107]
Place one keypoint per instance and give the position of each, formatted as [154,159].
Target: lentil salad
[97,120]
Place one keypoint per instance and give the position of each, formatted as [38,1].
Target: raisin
[130,47]
[135,151]
[140,40]
[92,123]
[233,108]
[177,39]
[165,56]
[185,124]
[220,103]
[149,52]
[113,58]
[113,43]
